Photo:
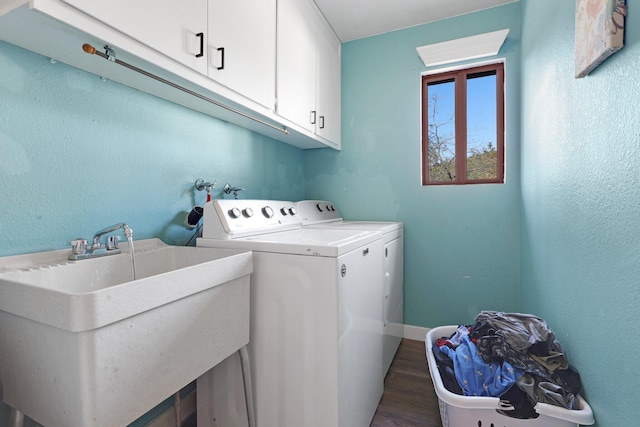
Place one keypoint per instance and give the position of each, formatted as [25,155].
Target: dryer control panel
[317,211]
[227,218]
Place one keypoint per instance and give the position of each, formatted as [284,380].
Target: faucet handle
[79,246]
[112,242]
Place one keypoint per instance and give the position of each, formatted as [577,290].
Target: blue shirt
[477,378]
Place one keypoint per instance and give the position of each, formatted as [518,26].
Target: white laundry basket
[468,411]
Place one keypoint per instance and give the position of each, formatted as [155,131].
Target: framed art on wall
[599,32]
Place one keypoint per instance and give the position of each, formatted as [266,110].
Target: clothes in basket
[510,370]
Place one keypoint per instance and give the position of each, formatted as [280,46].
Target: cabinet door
[172,28]
[242,47]
[328,87]
[296,76]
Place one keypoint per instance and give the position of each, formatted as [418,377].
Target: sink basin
[82,344]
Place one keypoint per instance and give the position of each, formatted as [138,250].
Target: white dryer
[323,214]
[316,334]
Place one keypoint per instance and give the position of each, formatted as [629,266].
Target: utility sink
[82,344]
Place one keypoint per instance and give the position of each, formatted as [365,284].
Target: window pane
[481,126]
[441,127]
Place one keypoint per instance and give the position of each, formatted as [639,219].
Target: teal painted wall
[461,242]
[581,203]
[78,154]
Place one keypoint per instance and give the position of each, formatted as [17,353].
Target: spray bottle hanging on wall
[196,213]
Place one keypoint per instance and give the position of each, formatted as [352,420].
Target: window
[463,126]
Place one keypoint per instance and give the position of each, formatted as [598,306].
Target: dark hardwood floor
[409,399]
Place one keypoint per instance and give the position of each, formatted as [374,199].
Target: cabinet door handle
[313,117]
[321,122]
[201,35]
[221,50]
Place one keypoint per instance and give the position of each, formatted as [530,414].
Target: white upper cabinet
[271,66]
[296,58]
[177,29]
[242,46]
[231,41]
[308,71]
[328,85]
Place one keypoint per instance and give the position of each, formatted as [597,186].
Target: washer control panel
[224,218]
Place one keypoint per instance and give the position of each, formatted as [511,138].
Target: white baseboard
[417,333]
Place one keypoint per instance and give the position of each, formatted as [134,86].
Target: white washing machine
[323,214]
[316,335]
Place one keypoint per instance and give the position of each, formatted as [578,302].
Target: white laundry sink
[82,344]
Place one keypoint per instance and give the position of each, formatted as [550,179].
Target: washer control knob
[319,206]
[284,211]
[293,211]
[267,211]
[234,213]
[248,212]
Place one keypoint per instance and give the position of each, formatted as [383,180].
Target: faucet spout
[81,250]
[127,231]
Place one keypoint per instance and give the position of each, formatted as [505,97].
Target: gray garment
[520,331]
[527,343]
[546,392]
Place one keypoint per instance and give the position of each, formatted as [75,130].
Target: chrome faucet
[228,189]
[80,249]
